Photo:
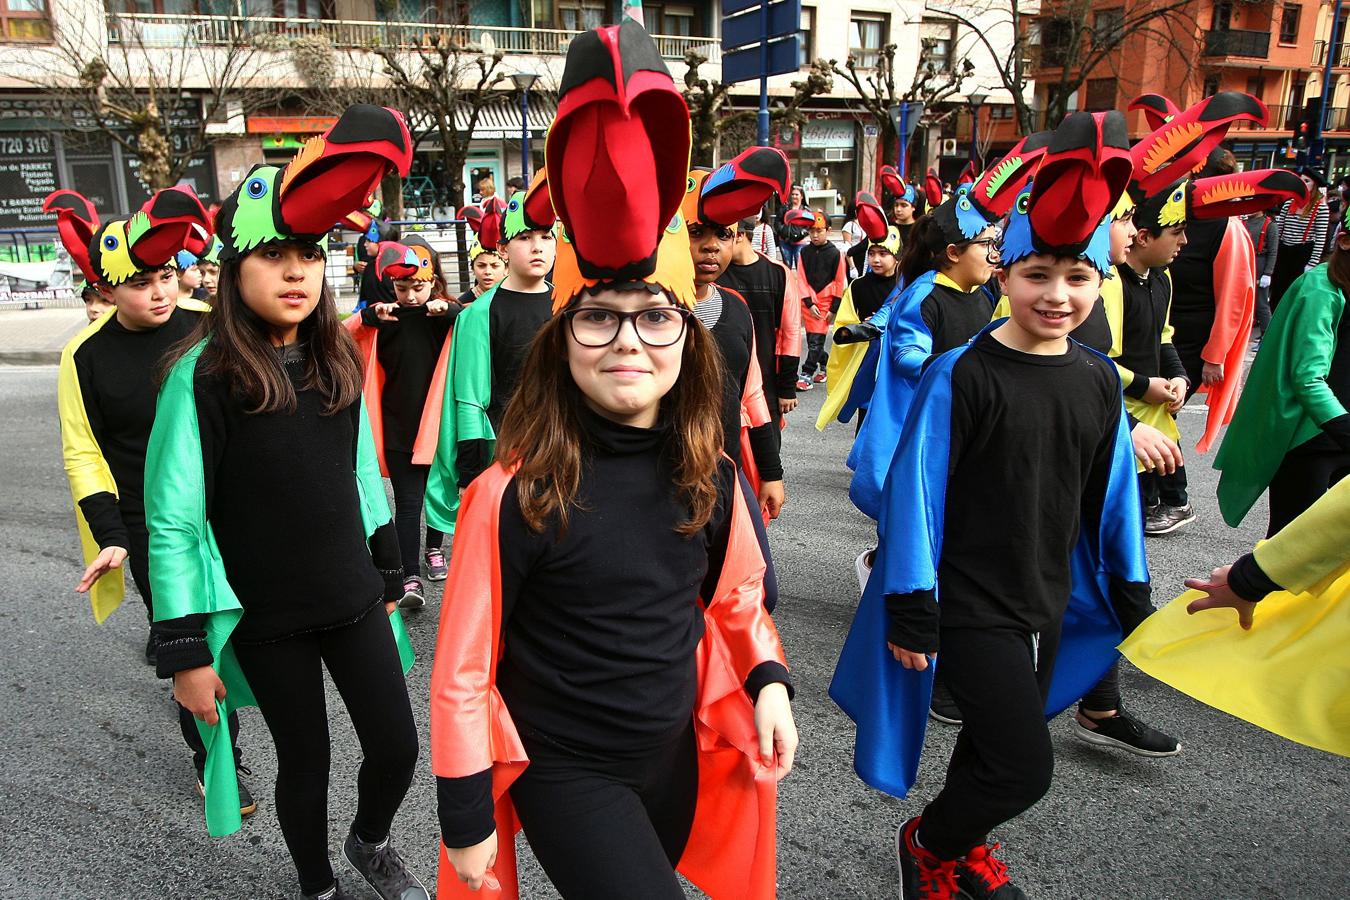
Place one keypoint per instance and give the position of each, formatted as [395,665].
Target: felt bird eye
[1177,195]
[110,242]
[513,206]
[257,188]
[1023,203]
[963,203]
[676,224]
[689,184]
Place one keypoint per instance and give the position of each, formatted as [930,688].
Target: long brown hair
[239,348]
[543,431]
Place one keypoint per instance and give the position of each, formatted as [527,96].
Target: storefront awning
[500,119]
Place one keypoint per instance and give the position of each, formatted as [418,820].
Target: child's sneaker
[1124,732]
[803,383]
[333,893]
[922,875]
[435,562]
[984,877]
[413,596]
[383,869]
[819,377]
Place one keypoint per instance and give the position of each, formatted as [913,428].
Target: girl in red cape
[607,677]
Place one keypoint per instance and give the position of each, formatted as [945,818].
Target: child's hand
[385,311]
[197,691]
[777,731]
[815,313]
[109,558]
[1156,451]
[437,307]
[908,658]
[771,498]
[1179,386]
[474,864]
[1159,391]
[1218,595]
[1212,373]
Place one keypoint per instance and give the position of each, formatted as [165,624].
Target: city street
[97,797]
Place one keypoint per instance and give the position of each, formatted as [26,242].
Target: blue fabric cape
[889,703]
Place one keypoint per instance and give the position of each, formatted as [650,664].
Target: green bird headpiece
[333,175]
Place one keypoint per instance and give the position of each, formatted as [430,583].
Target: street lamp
[524,81]
[976,100]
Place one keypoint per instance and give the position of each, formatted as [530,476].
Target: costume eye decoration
[110,242]
[1023,203]
[257,188]
[676,224]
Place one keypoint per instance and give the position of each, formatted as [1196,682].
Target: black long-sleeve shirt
[282,502]
[601,622]
[870,293]
[763,284]
[1144,318]
[407,352]
[118,373]
[953,316]
[1031,445]
[513,321]
[820,263]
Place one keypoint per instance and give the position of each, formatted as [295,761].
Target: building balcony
[1320,54]
[1237,42]
[1282,118]
[152,30]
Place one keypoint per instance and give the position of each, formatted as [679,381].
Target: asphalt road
[97,800]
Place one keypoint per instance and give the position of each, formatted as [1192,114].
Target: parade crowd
[585,448]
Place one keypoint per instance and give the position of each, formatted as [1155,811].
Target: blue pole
[525,136]
[904,139]
[1316,143]
[762,129]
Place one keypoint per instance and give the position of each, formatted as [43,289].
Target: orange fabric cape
[372,387]
[790,325]
[822,300]
[732,850]
[1234,301]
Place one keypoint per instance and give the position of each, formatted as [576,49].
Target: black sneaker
[983,876]
[414,596]
[1164,519]
[383,869]
[922,875]
[151,650]
[333,893]
[435,562]
[1124,732]
[943,708]
[247,805]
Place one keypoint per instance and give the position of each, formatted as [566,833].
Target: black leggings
[1105,694]
[815,354]
[609,828]
[286,677]
[1290,262]
[1306,473]
[1169,489]
[410,488]
[138,562]
[1003,760]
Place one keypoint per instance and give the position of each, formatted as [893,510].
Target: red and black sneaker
[984,877]
[922,875]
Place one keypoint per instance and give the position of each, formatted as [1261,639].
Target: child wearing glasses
[607,678]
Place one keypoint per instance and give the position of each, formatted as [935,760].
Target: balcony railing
[154,30]
[1320,54]
[1237,42]
[1282,118]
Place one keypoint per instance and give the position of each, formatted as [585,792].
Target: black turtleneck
[870,293]
[601,621]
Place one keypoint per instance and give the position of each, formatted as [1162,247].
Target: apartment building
[1272,49]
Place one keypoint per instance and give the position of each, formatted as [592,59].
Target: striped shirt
[1295,229]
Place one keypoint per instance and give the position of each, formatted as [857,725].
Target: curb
[30,357]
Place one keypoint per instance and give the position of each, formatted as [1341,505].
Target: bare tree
[154,89]
[1066,42]
[712,115]
[878,91]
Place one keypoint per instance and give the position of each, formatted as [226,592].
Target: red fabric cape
[732,850]
[1234,299]
[821,300]
[372,387]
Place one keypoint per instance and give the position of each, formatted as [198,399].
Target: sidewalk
[34,337]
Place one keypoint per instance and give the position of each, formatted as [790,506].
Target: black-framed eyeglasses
[698,229]
[991,250]
[656,326]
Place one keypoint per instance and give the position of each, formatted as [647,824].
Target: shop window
[867,34]
[24,20]
[806,37]
[1100,94]
[1289,23]
[939,39]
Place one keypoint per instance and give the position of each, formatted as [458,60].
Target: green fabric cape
[468,391]
[1286,399]
[188,576]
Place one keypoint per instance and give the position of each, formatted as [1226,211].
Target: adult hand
[108,558]
[385,311]
[1211,373]
[772,496]
[197,691]
[1218,595]
[786,405]
[777,731]
[1263,281]
[1156,451]
[1159,391]
[472,864]
[908,658]
[437,307]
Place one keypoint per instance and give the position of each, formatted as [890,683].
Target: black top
[1265,235]
[513,320]
[1095,330]
[1193,301]
[1146,302]
[118,371]
[373,290]
[734,331]
[1031,444]
[820,263]
[764,287]
[954,317]
[857,256]
[870,293]
[407,351]
[601,622]
[282,501]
